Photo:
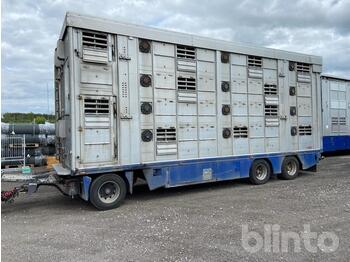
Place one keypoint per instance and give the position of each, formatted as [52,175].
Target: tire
[260,172]
[290,168]
[107,191]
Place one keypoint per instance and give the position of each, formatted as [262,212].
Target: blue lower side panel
[218,169]
[196,171]
[336,143]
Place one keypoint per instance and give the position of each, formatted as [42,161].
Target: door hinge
[77,52]
[115,109]
[113,53]
[80,129]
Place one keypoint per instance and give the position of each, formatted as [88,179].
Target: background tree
[26,118]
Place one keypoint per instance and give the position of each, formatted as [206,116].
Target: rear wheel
[260,172]
[290,168]
[107,191]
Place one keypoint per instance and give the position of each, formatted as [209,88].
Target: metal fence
[13,150]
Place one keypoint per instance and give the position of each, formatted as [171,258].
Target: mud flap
[155,178]
[130,177]
[86,182]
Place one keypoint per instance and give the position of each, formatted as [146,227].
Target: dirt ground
[194,223]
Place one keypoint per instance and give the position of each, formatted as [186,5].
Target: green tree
[39,120]
[26,118]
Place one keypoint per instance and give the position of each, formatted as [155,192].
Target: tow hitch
[68,187]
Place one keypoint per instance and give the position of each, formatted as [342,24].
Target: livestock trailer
[336,113]
[134,102]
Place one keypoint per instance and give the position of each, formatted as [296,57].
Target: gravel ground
[194,223]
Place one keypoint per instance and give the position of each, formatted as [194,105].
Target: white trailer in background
[336,113]
[177,109]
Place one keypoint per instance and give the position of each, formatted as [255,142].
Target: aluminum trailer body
[336,113]
[177,109]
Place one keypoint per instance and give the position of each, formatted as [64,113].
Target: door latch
[283,117]
[124,57]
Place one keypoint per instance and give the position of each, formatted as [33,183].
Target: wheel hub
[109,192]
[261,172]
[291,168]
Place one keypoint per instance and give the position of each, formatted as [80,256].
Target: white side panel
[239,78]
[206,76]
[238,59]
[165,102]
[257,145]
[270,76]
[206,103]
[239,104]
[207,127]
[272,144]
[304,106]
[163,49]
[188,149]
[207,148]
[256,105]
[240,146]
[187,128]
[96,74]
[255,86]
[256,126]
[164,72]
[205,55]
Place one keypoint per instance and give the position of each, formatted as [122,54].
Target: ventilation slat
[94,40]
[305,130]
[270,89]
[240,132]
[339,121]
[185,52]
[271,110]
[166,135]
[186,83]
[303,68]
[254,61]
[342,121]
[335,121]
[96,106]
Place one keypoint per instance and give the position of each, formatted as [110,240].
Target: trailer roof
[139,31]
[335,77]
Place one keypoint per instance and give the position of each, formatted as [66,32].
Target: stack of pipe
[28,129]
[39,139]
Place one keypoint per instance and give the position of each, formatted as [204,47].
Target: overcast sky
[30,30]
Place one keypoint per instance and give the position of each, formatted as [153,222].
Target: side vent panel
[186,86]
[95,47]
[185,52]
[271,105]
[303,72]
[97,131]
[255,67]
[166,141]
[270,89]
[96,106]
[305,130]
[186,56]
[240,132]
